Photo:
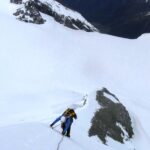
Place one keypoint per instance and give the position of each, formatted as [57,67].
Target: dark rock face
[30,14]
[112,119]
[16,1]
[33,8]
[124,18]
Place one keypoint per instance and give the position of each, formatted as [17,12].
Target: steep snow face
[44,69]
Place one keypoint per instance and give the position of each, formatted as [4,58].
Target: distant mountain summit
[124,18]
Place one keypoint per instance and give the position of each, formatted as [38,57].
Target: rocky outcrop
[29,13]
[32,9]
[16,1]
[112,119]
[124,18]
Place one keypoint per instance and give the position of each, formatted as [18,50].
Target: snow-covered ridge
[31,11]
[62,10]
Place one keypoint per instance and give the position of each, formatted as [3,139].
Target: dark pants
[68,131]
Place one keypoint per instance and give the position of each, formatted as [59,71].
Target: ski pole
[57,125]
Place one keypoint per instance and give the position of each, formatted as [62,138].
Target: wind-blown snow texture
[44,69]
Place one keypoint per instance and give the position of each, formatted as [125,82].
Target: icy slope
[44,69]
[30,136]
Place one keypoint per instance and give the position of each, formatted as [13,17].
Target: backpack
[70,113]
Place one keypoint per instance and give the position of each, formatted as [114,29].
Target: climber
[66,121]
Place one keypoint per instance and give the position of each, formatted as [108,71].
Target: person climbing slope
[67,117]
[66,121]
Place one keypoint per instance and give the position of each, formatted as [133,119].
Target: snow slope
[44,69]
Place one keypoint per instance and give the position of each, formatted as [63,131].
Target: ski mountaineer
[66,121]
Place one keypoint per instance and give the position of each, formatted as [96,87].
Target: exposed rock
[29,13]
[16,1]
[32,9]
[112,119]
